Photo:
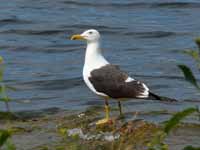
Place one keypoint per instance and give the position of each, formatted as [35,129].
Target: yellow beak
[77,37]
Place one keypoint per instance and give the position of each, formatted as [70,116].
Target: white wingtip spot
[145,94]
[129,79]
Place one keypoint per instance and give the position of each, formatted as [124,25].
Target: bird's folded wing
[113,82]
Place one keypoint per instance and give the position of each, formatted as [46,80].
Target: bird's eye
[90,32]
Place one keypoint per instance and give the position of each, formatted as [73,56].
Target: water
[145,38]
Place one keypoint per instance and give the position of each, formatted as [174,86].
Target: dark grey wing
[110,80]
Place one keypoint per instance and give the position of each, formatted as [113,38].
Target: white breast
[89,66]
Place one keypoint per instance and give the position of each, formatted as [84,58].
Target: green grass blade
[1,75]
[1,60]
[4,135]
[194,54]
[197,41]
[175,120]
[189,75]
[11,88]
[9,145]
[191,148]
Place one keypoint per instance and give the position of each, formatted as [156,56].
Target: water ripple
[151,34]
[8,21]
[33,32]
[177,5]
[58,84]
[135,4]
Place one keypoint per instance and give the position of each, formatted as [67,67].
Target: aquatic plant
[3,94]
[188,74]
[5,140]
[157,142]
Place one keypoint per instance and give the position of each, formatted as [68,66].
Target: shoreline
[48,130]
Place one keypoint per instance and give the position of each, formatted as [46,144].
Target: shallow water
[144,38]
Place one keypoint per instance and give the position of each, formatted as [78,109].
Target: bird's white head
[90,36]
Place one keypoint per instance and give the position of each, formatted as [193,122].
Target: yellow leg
[107,109]
[107,115]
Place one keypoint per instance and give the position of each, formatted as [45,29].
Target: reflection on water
[145,38]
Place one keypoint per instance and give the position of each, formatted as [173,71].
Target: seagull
[107,80]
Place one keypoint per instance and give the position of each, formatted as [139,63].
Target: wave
[33,32]
[66,29]
[86,26]
[175,77]
[177,5]
[58,84]
[13,21]
[136,4]
[152,34]
[53,48]
[103,30]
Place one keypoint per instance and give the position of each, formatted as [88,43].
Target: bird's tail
[153,96]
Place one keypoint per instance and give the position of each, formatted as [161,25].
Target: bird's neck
[94,55]
[92,51]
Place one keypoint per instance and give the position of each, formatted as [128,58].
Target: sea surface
[146,38]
